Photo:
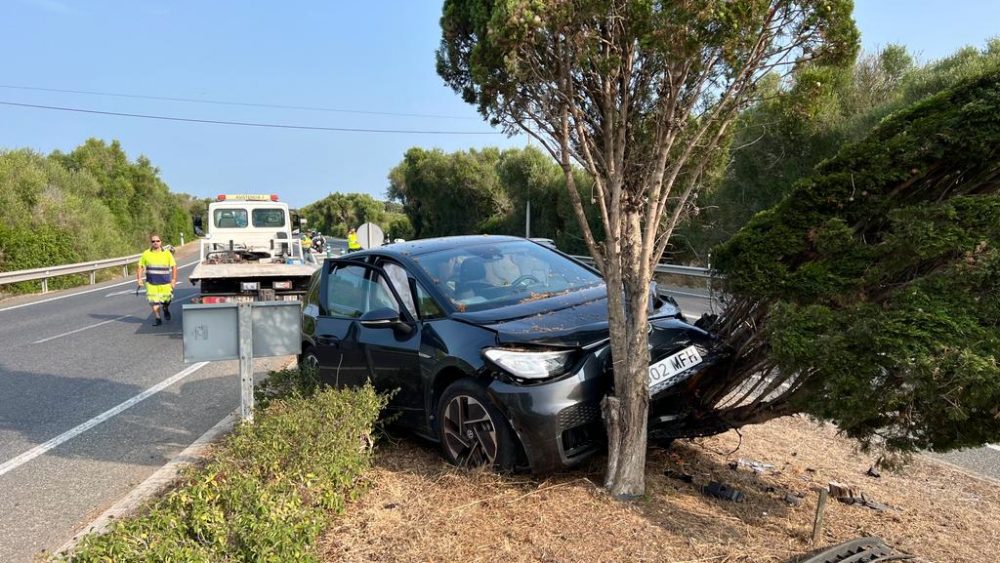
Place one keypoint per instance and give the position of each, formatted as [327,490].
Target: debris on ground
[860,550]
[446,514]
[687,478]
[723,491]
[793,500]
[873,472]
[757,467]
[847,495]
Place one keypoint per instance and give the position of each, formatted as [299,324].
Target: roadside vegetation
[868,296]
[88,204]
[269,489]
[784,137]
[336,213]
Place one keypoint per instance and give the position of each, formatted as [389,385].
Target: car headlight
[530,365]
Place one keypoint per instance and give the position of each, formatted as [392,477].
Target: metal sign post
[242,331]
[246,361]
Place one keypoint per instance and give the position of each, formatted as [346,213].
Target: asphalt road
[983,461]
[94,400]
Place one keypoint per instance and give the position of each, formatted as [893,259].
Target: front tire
[473,432]
[309,362]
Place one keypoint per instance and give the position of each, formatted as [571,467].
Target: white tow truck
[249,252]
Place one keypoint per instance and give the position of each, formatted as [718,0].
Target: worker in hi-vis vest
[352,241]
[160,271]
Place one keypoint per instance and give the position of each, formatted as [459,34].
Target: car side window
[314,283]
[352,291]
[346,291]
[379,294]
[401,282]
[429,309]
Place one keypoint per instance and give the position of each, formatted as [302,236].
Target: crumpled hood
[570,320]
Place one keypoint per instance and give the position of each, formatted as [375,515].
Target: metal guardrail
[48,272]
[692,271]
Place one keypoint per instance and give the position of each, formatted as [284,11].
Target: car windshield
[488,276]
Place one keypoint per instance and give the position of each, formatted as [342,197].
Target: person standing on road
[352,241]
[160,271]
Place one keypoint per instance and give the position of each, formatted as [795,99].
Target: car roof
[424,246]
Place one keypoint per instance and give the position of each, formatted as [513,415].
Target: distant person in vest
[352,241]
[160,272]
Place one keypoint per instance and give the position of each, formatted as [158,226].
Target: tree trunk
[628,302]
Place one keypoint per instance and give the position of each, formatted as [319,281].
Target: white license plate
[663,372]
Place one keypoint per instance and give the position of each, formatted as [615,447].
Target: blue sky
[361,56]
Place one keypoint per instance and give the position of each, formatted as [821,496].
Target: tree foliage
[86,205]
[868,296]
[427,185]
[335,214]
[781,139]
[641,93]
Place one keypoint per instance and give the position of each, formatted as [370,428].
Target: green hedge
[267,492]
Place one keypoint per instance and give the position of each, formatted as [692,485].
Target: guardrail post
[45,284]
[93,276]
[125,271]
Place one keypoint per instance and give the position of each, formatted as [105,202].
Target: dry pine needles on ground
[420,509]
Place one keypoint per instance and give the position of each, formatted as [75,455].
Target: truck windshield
[268,218]
[230,218]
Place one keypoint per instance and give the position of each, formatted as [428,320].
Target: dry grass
[420,509]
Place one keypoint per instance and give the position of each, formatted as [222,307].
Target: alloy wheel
[470,435]
[310,361]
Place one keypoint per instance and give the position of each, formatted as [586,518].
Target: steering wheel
[521,281]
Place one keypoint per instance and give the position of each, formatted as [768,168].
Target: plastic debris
[723,491]
[680,476]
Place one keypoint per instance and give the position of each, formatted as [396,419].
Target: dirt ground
[420,509]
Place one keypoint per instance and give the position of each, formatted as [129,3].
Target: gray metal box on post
[243,331]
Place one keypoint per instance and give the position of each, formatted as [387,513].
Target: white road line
[65,296]
[993,447]
[69,434]
[105,288]
[81,329]
[126,291]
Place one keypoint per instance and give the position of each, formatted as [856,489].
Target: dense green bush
[268,491]
[871,290]
[90,204]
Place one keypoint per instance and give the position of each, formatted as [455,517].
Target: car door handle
[326,340]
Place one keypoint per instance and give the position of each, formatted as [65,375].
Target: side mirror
[384,318]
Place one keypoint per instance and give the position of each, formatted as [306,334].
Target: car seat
[471,277]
